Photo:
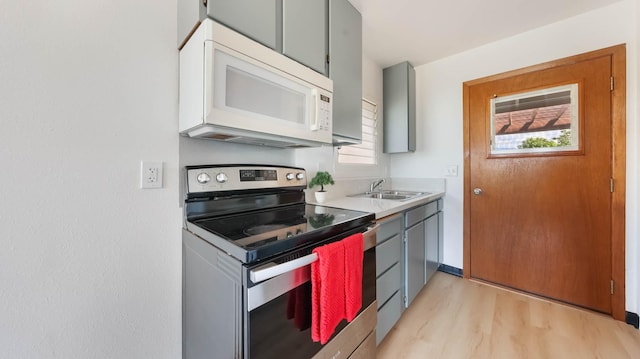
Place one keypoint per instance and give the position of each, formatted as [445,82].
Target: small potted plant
[322,178]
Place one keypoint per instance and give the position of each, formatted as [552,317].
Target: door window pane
[536,121]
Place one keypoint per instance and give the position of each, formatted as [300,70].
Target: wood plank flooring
[457,318]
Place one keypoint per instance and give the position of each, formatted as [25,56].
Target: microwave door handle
[258,275]
[208,79]
[314,110]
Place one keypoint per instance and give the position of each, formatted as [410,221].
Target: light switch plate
[451,171]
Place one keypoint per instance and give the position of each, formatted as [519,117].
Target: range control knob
[203,178]
[289,176]
[221,177]
[300,176]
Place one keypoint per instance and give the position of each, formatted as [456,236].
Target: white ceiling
[421,31]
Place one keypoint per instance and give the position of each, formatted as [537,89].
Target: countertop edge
[380,207]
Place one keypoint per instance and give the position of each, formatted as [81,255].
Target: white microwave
[236,90]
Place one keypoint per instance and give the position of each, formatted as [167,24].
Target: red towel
[353,256]
[336,285]
[327,291]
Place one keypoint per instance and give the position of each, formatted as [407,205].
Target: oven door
[278,315]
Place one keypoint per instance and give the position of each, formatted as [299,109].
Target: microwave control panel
[324,113]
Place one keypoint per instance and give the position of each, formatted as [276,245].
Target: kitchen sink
[390,194]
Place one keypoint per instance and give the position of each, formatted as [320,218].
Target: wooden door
[541,222]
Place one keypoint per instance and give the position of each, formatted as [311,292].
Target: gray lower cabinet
[415,260]
[422,253]
[408,254]
[389,271]
[345,69]
[440,233]
[431,233]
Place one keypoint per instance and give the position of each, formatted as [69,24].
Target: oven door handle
[270,271]
[258,275]
[370,236]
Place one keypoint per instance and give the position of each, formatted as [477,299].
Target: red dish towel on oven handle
[353,257]
[336,285]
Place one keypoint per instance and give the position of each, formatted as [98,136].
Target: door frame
[618,133]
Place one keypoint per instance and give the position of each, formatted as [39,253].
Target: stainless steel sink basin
[390,194]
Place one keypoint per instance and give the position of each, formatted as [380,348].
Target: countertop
[381,207]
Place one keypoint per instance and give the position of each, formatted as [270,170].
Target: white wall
[90,265]
[439,111]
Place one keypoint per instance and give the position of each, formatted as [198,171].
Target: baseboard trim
[450,270]
[633,319]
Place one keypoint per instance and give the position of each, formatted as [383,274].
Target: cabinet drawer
[431,208]
[418,214]
[388,315]
[388,253]
[389,226]
[367,349]
[414,216]
[388,283]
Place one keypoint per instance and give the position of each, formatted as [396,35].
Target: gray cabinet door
[399,108]
[257,19]
[431,243]
[304,32]
[440,237]
[414,261]
[345,69]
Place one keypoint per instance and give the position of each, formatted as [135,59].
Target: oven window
[281,328]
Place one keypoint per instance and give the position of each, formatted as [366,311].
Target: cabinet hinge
[611,184]
[204,2]
[611,80]
[612,288]
[328,59]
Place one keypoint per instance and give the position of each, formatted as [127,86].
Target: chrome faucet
[375,184]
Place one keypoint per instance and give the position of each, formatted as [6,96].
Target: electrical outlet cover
[151,174]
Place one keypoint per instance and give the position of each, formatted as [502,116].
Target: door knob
[477,191]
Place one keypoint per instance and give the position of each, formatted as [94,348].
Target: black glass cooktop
[261,234]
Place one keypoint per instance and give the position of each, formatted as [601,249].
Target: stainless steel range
[247,241]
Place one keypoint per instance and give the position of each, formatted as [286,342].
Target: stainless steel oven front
[278,307]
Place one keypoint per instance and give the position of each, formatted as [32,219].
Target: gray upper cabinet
[399,96]
[296,28]
[304,32]
[345,69]
[256,19]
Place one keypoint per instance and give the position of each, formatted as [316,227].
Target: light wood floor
[457,318]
